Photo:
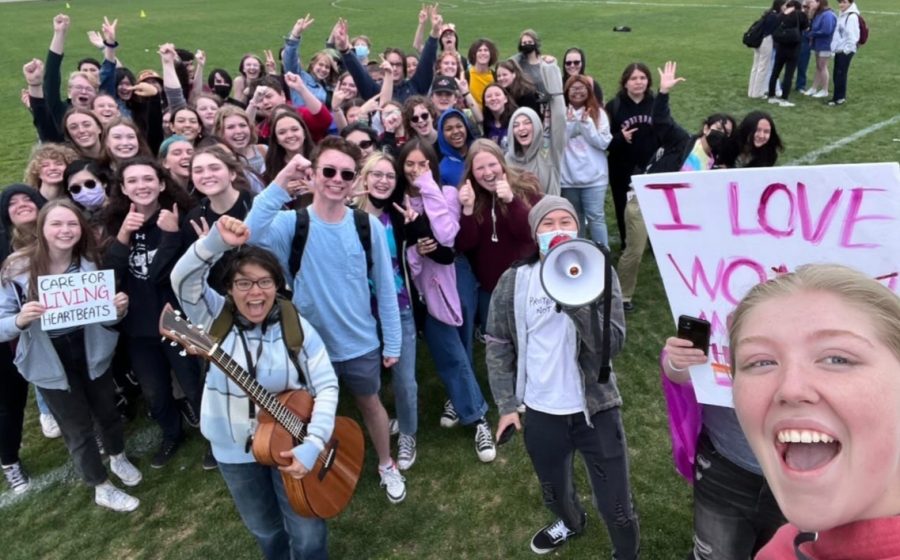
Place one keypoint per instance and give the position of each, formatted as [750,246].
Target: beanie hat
[548,204]
[14,189]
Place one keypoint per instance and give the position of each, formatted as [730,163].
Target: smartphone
[696,330]
[507,434]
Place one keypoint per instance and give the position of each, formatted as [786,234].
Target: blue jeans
[467,287]
[484,305]
[41,403]
[735,513]
[262,503]
[588,202]
[841,68]
[404,377]
[803,63]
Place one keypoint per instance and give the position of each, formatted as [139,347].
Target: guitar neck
[259,394]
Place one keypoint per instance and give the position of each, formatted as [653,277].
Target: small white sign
[77,298]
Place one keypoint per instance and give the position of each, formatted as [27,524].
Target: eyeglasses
[575,89]
[365,145]
[244,284]
[573,63]
[330,172]
[89,184]
[420,117]
[379,175]
[397,64]
[81,88]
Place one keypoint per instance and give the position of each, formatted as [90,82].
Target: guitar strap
[251,365]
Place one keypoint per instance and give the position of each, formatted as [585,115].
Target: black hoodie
[6,227]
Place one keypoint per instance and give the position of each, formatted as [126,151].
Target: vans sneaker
[16,477]
[49,427]
[394,426]
[406,451]
[124,469]
[166,451]
[108,496]
[553,536]
[393,483]
[484,442]
[449,418]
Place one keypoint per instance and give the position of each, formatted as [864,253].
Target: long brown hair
[34,258]
[523,184]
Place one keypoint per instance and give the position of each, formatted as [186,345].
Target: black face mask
[222,90]
[716,140]
[379,202]
[527,48]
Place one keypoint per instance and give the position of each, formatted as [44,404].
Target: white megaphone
[574,273]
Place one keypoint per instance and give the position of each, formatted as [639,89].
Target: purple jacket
[437,282]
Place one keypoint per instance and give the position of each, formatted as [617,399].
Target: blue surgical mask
[91,198]
[546,240]
[362,51]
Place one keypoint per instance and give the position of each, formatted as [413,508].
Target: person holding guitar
[257,343]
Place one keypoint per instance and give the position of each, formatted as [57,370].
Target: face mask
[362,51]
[378,202]
[550,239]
[91,198]
[716,140]
[527,48]
[222,90]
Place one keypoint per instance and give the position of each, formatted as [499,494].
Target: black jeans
[735,512]
[785,58]
[551,442]
[841,68]
[13,396]
[86,406]
[152,361]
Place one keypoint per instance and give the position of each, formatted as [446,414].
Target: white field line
[814,155]
[136,445]
[637,3]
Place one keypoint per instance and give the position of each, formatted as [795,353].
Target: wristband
[111,45]
[672,366]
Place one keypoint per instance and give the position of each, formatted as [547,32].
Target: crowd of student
[425,186]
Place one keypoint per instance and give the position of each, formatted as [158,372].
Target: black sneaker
[164,455]
[188,413]
[209,461]
[628,306]
[553,536]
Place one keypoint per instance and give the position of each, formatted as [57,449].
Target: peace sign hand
[409,214]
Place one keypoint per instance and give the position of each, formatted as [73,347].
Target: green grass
[456,507]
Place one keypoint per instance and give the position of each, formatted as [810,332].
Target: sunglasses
[573,63]
[364,145]
[330,172]
[89,184]
[244,284]
[421,117]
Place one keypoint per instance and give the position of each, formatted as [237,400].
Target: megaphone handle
[605,344]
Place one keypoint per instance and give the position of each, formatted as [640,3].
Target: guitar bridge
[329,460]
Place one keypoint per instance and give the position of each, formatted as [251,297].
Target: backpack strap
[292,335]
[298,244]
[364,230]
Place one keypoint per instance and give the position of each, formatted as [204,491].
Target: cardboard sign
[77,298]
[716,234]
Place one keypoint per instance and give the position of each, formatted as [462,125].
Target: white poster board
[77,298]
[716,234]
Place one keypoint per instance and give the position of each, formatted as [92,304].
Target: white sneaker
[775,101]
[394,426]
[449,418]
[785,103]
[393,483]
[820,94]
[810,92]
[108,496]
[49,426]
[17,477]
[406,451]
[484,442]
[125,470]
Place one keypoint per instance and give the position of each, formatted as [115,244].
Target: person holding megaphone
[549,359]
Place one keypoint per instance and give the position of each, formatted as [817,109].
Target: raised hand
[271,67]
[201,227]
[109,30]
[467,198]
[628,133]
[301,26]
[337,98]
[667,77]
[298,168]
[681,353]
[133,221]
[424,14]
[61,24]
[34,72]
[409,214]
[144,89]
[386,68]
[370,105]
[463,86]
[167,53]
[233,231]
[341,35]
[503,190]
[258,94]
[294,81]
[168,219]
[199,58]
[95,39]
[29,312]
[391,120]
[437,22]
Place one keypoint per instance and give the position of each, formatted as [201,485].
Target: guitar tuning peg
[173,344]
[162,339]
[177,313]
[183,354]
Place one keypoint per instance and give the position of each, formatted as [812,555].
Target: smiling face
[421,120]
[381,181]
[411,64]
[207,108]
[62,230]
[83,130]
[105,108]
[334,189]
[50,171]
[124,89]
[762,134]
[81,92]
[251,67]
[271,99]
[178,159]
[636,85]
[321,67]
[289,134]
[448,66]
[210,175]
[141,185]
[817,393]
[577,94]
[185,123]
[415,165]
[558,220]
[487,170]
[122,142]
[455,133]
[495,99]
[483,55]
[443,100]
[256,301]
[573,63]
[22,210]
[361,139]
[347,87]
[523,130]
[397,63]
[236,132]
[504,77]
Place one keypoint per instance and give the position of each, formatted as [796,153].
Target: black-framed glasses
[573,63]
[365,145]
[330,172]
[245,284]
[420,117]
[89,184]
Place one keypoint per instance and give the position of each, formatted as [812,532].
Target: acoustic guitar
[327,489]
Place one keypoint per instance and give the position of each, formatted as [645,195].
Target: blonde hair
[229,110]
[361,200]
[853,287]
[58,152]
[91,78]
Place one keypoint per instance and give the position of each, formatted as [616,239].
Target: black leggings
[785,58]
[13,397]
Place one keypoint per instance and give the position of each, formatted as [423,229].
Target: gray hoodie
[541,157]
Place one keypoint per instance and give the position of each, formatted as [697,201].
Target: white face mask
[91,198]
[549,239]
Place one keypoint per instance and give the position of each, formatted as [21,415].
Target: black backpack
[301,233]
[753,37]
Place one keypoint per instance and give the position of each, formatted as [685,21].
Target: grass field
[456,507]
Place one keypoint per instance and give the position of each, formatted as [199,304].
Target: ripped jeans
[551,441]
[735,513]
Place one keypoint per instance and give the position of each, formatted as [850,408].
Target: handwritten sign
[716,234]
[77,298]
